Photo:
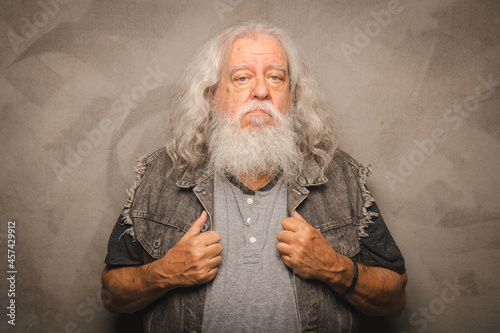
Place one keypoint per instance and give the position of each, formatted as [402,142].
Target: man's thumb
[298,216]
[195,228]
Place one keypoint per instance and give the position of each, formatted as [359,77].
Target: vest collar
[194,176]
[310,175]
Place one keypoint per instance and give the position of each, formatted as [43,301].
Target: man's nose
[261,89]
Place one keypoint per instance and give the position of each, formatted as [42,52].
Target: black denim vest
[161,209]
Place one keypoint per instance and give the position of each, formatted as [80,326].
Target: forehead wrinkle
[242,48]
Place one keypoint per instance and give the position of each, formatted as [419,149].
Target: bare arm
[193,260]
[378,292]
[129,289]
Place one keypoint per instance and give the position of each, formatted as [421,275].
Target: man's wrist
[354,279]
[157,277]
[341,274]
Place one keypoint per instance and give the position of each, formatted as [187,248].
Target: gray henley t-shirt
[252,291]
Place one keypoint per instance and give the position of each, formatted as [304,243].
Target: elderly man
[250,219]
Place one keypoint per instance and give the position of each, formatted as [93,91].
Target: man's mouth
[258,112]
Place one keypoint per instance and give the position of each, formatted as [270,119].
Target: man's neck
[256,183]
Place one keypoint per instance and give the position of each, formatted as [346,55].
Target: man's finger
[195,229]
[214,262]
[285,236]
[284,249]
[214,250]
[210,237]
[298,216]
[290,224]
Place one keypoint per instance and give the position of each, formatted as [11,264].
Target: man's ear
[293,96]
[209,93]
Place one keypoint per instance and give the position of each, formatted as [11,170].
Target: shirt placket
[252,234]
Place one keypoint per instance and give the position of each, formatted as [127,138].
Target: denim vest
[162,207]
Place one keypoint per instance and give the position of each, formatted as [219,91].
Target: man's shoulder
[153,166]
[158,156]
[343,161]
[157,162]
[341,166]
[345,166]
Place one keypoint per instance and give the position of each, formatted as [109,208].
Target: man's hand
[379,291]
[194,259]
[305,250]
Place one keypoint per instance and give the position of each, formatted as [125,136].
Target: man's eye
[275,78]
[242,79]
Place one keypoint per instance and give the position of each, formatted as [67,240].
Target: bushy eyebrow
[275,67]
[237,68]
[278,68]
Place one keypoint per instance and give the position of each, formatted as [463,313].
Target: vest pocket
[342,235]
[156,237]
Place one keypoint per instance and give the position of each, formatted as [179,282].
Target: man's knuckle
[196,241]
[197,257]
[302,240]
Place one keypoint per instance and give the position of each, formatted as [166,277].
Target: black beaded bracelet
[354,280]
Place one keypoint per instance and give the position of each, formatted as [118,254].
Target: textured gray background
[78,105]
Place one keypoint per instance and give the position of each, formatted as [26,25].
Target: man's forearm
[130,289]
[378,292]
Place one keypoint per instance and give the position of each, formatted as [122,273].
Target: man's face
[257,71]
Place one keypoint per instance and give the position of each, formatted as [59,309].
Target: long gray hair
[190,120]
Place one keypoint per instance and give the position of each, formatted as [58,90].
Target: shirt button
[253,240]
[249,201]
[248,220]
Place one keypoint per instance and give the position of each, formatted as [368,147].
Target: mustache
[253,105]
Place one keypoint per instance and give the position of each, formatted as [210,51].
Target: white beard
[251,152]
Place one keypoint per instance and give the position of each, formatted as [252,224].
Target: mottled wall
[85,87]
